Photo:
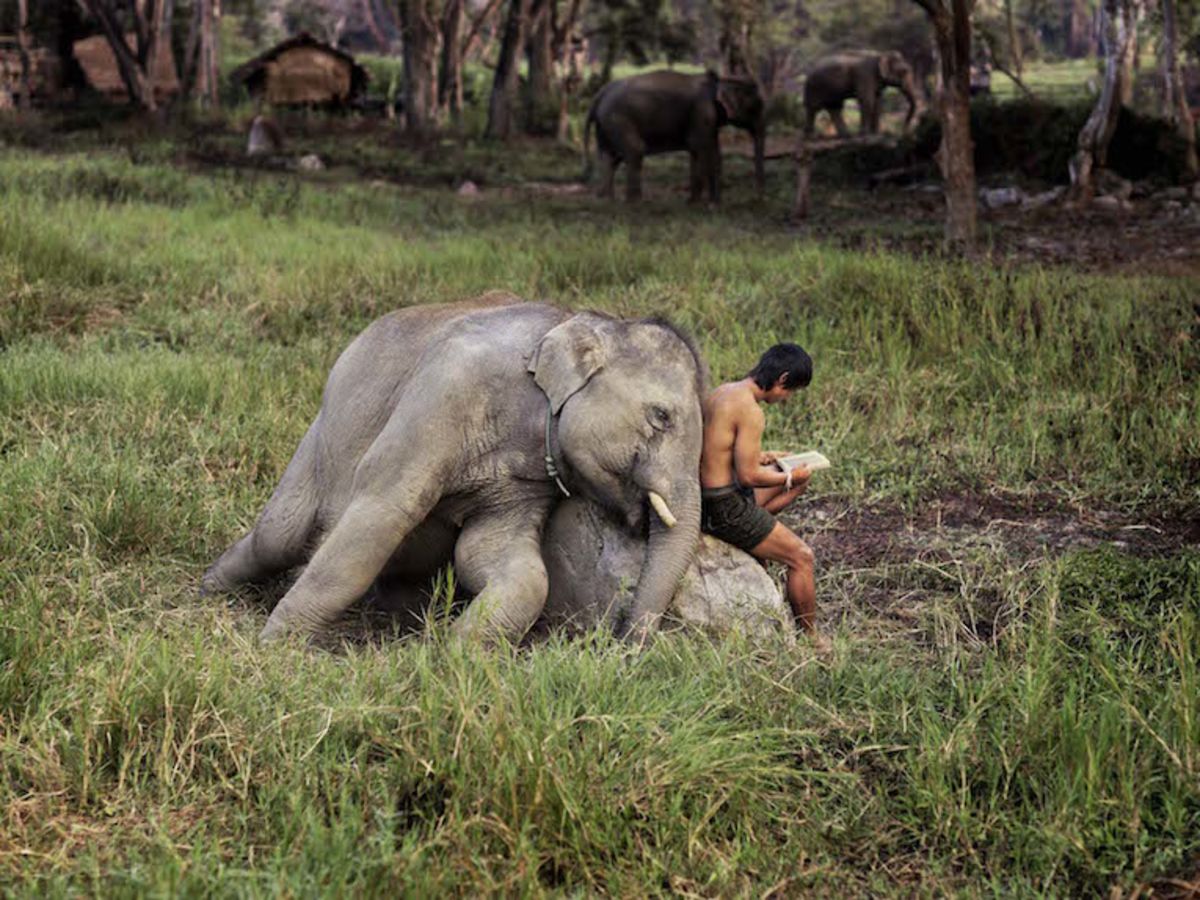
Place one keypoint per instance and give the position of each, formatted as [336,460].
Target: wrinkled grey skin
[860,75]
[593,563]
[428,448]
[665,111]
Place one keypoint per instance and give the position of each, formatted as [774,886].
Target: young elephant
[664,111]
[861,75]
[449,433]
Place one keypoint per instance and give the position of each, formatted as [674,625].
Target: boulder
[995,198]
[1110,203]
[1111,184]
[594,565]
[265,138]
[310,163]
[468,189]
[1045,198]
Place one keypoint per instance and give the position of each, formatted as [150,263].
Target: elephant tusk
[664,511]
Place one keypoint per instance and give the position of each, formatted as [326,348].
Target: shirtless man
[741,486]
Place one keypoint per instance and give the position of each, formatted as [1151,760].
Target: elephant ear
[568,356]
[891,66]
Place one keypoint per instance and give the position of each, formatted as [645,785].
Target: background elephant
[861,75]
[431,446]
[663,111]
[592,562]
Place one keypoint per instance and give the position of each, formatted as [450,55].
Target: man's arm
[748,455]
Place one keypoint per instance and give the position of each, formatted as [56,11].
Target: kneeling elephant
[450,433]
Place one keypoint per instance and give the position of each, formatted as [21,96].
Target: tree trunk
[1016,57]
[201,54]
[419,36]
[23,51]
[450,81]
[160,31]
[1120,19]
[504,85]
[133,76]
[956,155]
[570,60]
[1175,106]
[541,101]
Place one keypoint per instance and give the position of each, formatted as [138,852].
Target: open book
[809,459]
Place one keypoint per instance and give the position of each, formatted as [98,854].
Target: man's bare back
[741,484]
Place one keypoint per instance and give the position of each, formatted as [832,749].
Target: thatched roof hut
[99,64]
[302,70]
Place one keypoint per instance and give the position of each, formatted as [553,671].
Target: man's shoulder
[734,399]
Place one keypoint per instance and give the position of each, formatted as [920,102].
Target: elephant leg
[347,562]
[695,178]
[714,174]
[835,113]
[869,108]
[499,559]
[281,537]
[633,178]
[608,166]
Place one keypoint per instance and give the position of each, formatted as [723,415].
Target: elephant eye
[659,418]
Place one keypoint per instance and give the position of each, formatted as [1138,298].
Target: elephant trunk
[910,91]
[668,554]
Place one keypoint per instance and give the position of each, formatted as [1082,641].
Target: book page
[812,460]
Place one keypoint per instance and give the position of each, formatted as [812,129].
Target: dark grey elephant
[664,111]
[860,75]
[449,433]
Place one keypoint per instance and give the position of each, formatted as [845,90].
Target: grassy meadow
[997,718]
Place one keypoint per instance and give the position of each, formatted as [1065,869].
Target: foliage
[165,336]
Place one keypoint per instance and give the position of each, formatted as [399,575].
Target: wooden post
[803,159]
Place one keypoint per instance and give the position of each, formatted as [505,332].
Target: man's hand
[768,457]
[798,480]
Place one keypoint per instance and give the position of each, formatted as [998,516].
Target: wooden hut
[95,56]
[302,70]
[45,72]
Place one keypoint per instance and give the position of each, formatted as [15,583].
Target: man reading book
[741,485]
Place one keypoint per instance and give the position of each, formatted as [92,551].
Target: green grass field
[999,716]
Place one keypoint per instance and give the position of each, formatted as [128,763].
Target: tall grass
[164,338]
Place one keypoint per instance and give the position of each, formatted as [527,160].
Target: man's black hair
[789,360]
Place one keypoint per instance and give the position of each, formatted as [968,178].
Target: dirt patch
[843,533]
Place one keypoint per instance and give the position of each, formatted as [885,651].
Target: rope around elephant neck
[551,469]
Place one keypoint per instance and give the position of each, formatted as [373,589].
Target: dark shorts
[730,514]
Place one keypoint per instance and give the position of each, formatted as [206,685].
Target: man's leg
[783,546]
[774,499]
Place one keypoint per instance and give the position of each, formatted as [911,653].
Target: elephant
[591,561]
[663,111]
[858,74]
[449,433]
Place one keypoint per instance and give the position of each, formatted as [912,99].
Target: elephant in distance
[861,75]
[665,111]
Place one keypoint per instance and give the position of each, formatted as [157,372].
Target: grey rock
[1111,203]
[594,566]
[265,138]
[468,189]
[1196,191]
[995,198]
[1045,198]
[310,163]
[1177,194]
[1109,183]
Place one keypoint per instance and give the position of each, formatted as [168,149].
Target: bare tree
[450,79]
[1175,105]
[23,51]
[1120,43]
[202,53]
[419,38]
[951,20]
[500,122]
[131,64]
